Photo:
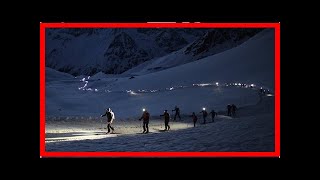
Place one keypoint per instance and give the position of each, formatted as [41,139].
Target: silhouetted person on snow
[229,109]
[145,116]
[111,117]
[233,109]
[261,90]
[177,110]
[194,119]
[204,115]
[213,114]
[166,120]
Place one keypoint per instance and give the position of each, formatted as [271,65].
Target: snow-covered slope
[114,51]
[212,42]
[52,75]
[88,51]
[252,130]
[250,62]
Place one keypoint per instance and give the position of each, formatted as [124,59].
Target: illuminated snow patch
[207,84]
[133,93]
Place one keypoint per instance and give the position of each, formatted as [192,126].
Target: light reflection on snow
[131,92]
[216,85]
[86,84]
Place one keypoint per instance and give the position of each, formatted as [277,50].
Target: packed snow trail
[129,103]
[252,130]
[70,130]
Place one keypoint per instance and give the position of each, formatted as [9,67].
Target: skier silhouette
[177,110]
[194,119]
[145,116]
[166,120]
[204,115]
[229,109]
[111,117]
[233,109]
[213,114]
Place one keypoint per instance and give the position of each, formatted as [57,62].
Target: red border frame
[276,26]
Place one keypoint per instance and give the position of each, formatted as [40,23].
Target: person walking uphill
[145,116]
[204,115]
[233,110]
[229,109]
[111,117]
[177,110]
[213,114]
[194,119]
[166,120]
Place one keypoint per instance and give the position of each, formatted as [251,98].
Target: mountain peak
[216,37]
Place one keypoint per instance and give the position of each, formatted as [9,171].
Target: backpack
[166,116]
[147,115]
[109,116]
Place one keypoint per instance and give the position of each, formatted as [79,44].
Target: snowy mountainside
[251,62]
[85,51]
[212,42]
[52,75]
[88,51]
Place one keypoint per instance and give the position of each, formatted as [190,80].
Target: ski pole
[101,123]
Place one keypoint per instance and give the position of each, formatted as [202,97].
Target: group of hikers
[231,109]
[264,91]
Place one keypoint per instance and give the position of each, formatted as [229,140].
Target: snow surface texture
[73,105]
[254,132]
